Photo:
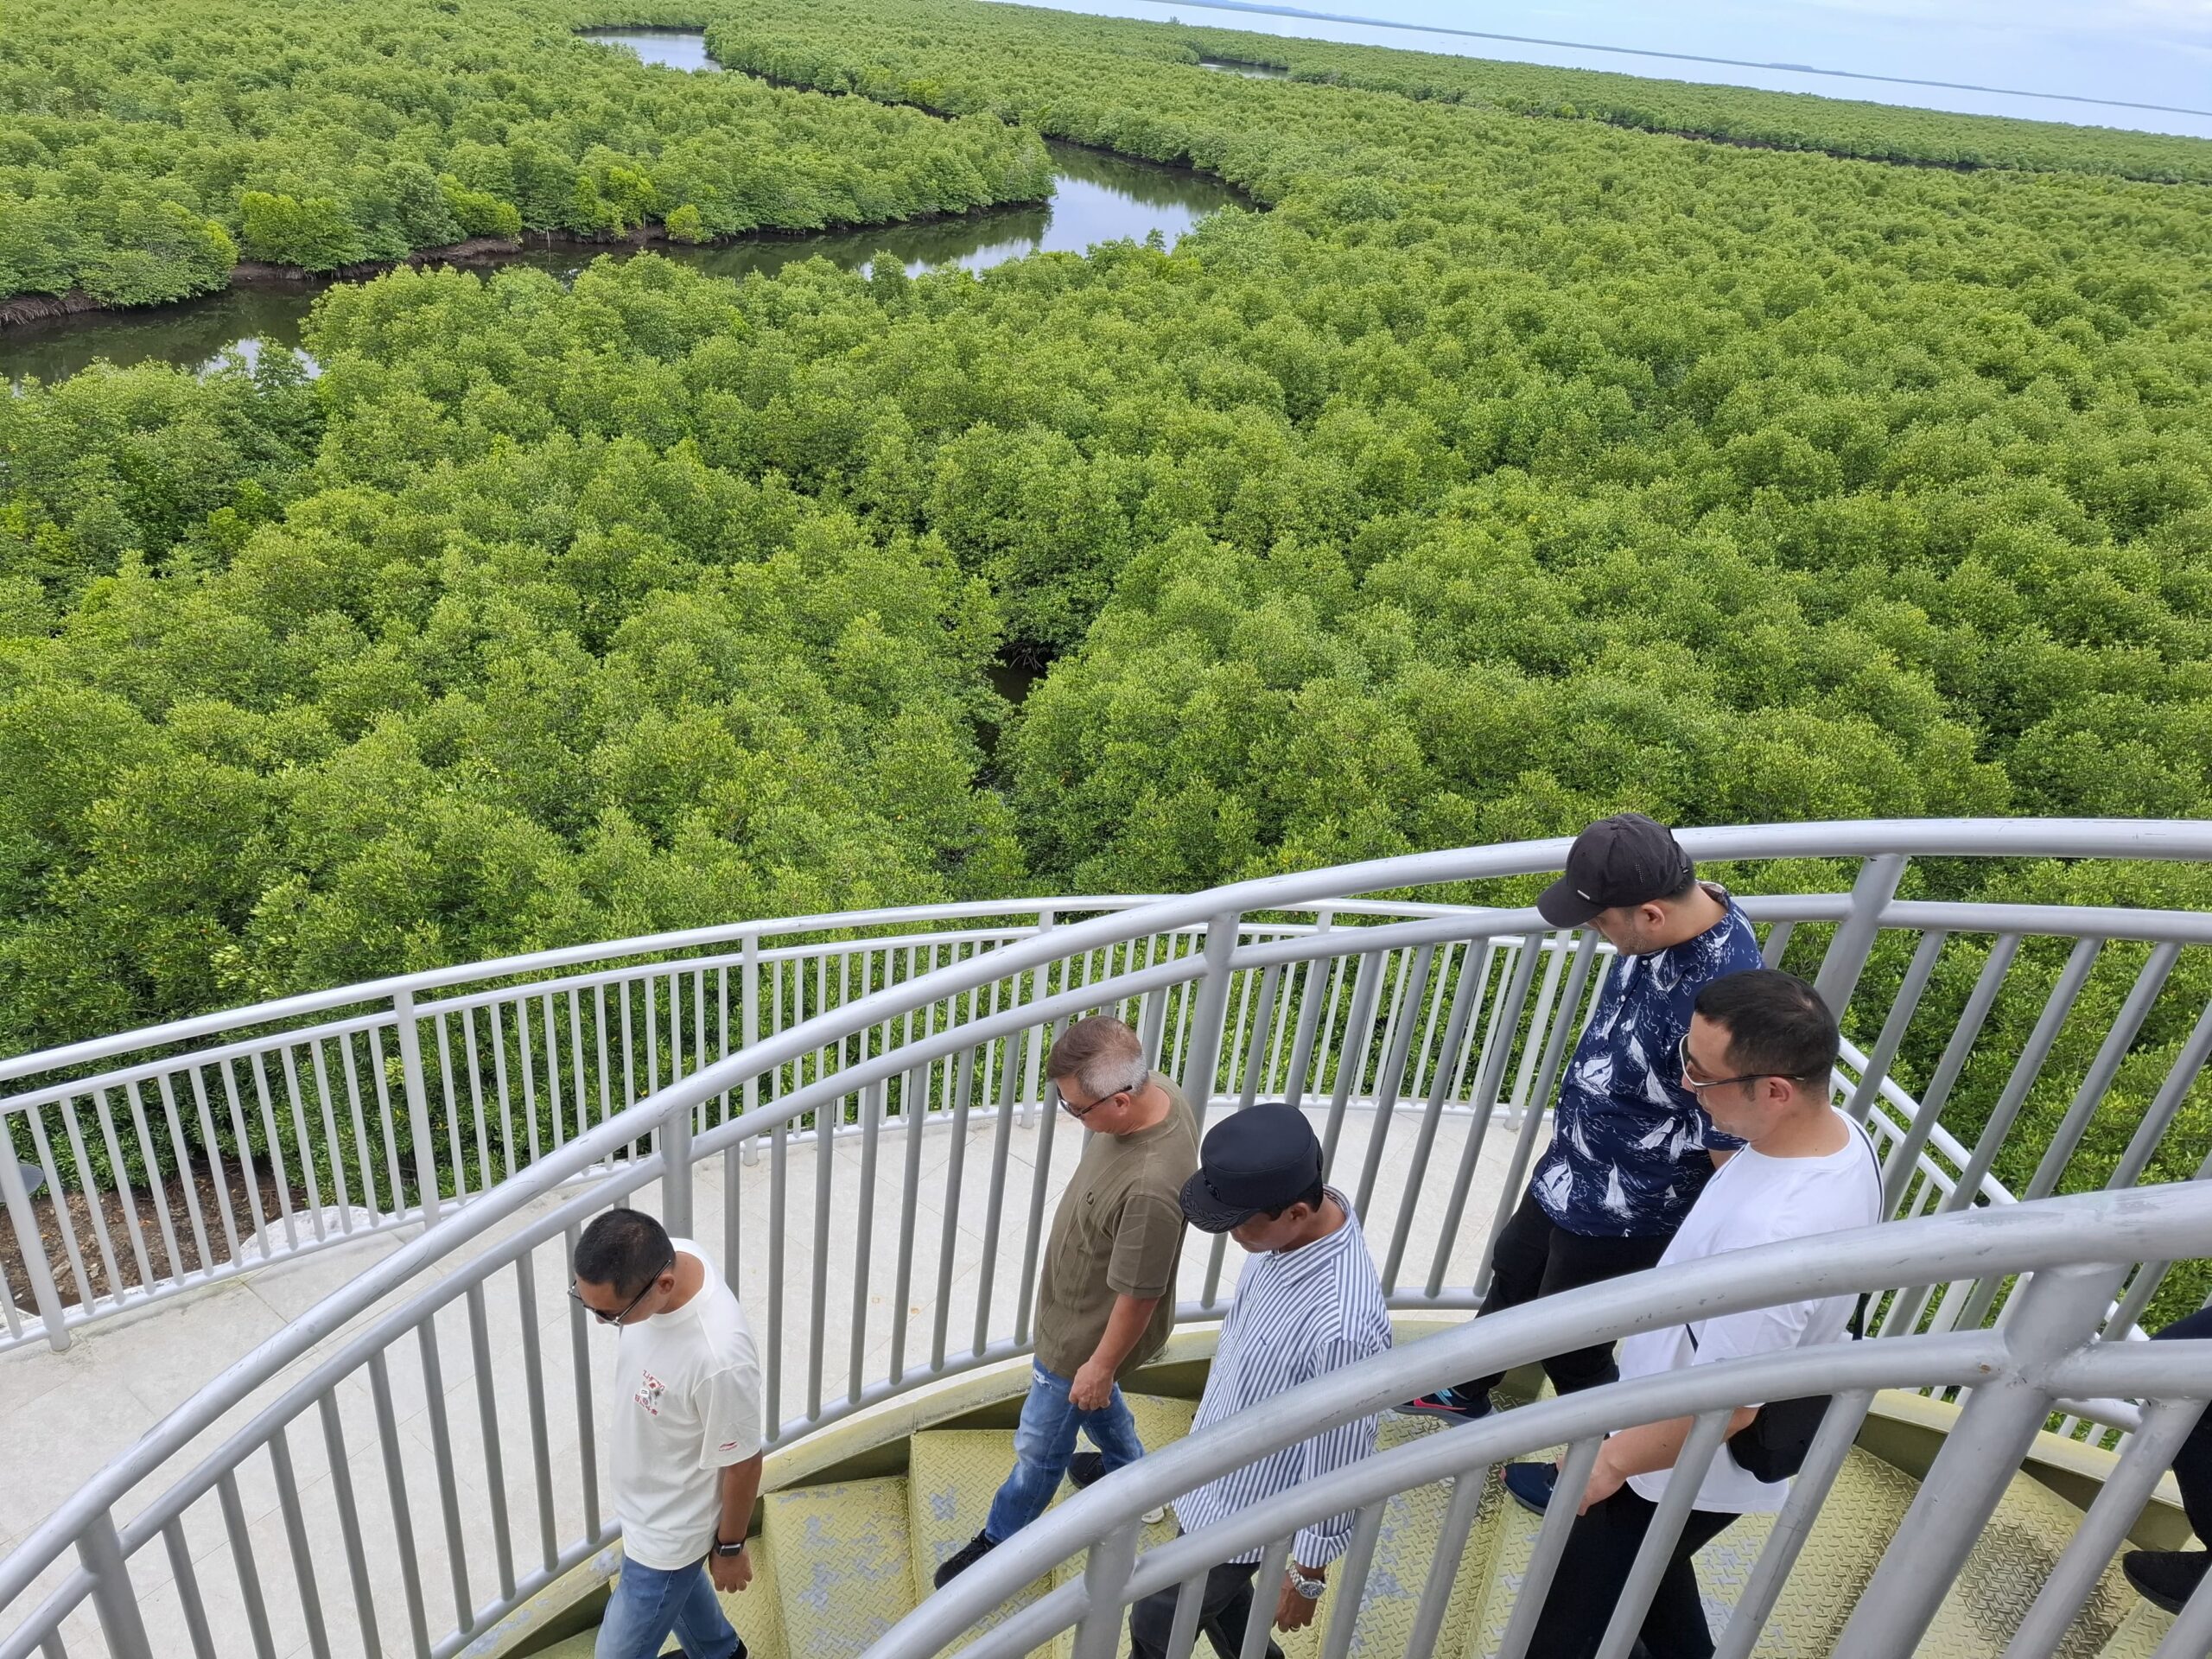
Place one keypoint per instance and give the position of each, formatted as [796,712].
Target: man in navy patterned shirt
[1631,1148]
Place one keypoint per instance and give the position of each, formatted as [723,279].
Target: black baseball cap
[1262,1158]
[1627,860]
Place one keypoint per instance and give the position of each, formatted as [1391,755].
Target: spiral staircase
[847,1111]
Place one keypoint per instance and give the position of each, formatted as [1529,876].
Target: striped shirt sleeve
[1322,1543]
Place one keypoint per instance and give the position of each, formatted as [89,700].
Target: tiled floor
[75,1412]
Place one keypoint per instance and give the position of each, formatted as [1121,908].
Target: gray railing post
[749,1029]
[2057,1311]
[674,1145]
[1029,1102]
[1204,1058]
[113,1600]
[418,1105]
[1854,936]
[1105,1578]
[36,1266]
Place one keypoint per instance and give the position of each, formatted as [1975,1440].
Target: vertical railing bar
[1778,941]
[498,1028]
[778,1174]
[156,1186]
[1410,1085]
[211,1147]
[349,1521]
[2181,1078]
[2025,1070]
[552,1068]
[1278,1052]
[1824,1459]
[1190,1603]
[46,1295]
[749,1013]
[533,1389]
[256,1607]
[409,1035]
[341,1189]
[606,1064]
[580,1374]
[825,1154]
[1902,1010]
[1852,942]
[526,1061]
[1947,1069]
[434,1407]
[1106,1580]
[1040,1178]
[1298,1067]
[1662,1533]
[456,1148]
[913,1114]
[189,1600]
[488,1417]
[1258,1057]
[872,1102]
[36,1114]
[1370,966]
[1444,1565]
[995,1203]
[578,1071]
[1551,1543]
[295,1537]
[484,1177]
[2112,1053]
[722,1033]
[955,1168]
[1272,1568]
[1351,1580]
[650,1022]
[1548,1012]
[365,1143]
[1474,969]
[1485,1103]
[301,1142]
[245,1144]
[402,1521]
[94,1207]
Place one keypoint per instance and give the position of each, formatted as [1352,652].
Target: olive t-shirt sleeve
[1147,1237]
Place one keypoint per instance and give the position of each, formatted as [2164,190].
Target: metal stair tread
[842,1563]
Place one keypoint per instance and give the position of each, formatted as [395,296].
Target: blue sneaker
[1448,1402]
[1530,1484]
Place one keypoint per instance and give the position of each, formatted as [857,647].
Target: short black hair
[1777,1024]
[627,1249]
[1312,1198]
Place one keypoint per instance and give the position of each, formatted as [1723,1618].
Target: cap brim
[1562,907]
[1206,1212]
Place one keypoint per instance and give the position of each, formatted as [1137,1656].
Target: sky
[2133,52]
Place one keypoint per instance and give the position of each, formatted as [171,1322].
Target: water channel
[1095,198]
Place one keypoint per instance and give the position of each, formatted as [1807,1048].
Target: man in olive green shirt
[1105,1297]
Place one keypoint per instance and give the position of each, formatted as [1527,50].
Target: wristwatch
[1309,1588]
[728,1550]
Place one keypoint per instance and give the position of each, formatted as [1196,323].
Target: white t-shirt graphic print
[687,1405]
[1754,1200]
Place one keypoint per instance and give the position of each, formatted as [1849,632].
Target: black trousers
[1600,1552]
[1537,1257]
[1226,1603]
[2193,1463]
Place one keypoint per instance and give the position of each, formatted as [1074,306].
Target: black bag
[1773,1445]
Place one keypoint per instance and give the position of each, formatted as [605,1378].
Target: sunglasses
[603,1316]
[1682,1055]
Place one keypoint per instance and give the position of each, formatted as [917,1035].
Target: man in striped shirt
[1308,1302]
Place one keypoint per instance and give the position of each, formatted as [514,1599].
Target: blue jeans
[1045,1440]
[648,1603]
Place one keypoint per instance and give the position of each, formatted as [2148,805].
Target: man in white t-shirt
[686,1445]
[1759,1056]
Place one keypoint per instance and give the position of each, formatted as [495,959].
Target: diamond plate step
[842,1564]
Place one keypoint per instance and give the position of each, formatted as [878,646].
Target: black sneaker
[970,1552]
[1530,1484]
[2166,1577]
[1450,1404]
[678,1653]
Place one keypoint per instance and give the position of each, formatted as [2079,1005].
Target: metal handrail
[2042,1237]
[1471,975]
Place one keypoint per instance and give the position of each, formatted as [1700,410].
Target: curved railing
[2045,1351]
[1424,1037]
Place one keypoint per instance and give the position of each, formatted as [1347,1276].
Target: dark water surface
[1096,197]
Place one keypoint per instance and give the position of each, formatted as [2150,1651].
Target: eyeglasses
[1079,1113]
[606,1318]
[1682,1054]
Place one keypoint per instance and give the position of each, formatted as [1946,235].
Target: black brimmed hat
[1627,860]
[1262,1158]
